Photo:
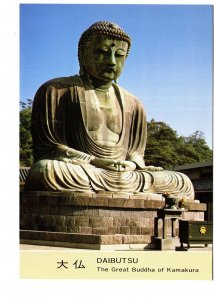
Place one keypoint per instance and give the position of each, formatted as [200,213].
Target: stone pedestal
[168,218]
[94,221]
[167,243]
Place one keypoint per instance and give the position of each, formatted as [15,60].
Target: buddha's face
[104,58]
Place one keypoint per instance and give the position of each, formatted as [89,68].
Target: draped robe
[61,110]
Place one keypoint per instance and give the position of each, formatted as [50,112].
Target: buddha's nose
[111,59]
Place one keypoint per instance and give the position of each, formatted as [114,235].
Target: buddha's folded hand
[113,165]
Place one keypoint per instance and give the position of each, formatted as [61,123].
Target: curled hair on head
[106,28]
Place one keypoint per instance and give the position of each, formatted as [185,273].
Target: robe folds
[63,147]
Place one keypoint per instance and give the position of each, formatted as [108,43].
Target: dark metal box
[195,232]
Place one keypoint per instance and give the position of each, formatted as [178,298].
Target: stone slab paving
[48,248]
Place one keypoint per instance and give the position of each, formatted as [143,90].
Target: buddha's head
[102,51]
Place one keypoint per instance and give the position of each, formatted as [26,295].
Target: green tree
[197,141]
[160,148]
[166,149]
[26,156]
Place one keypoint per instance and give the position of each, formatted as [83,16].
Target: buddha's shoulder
[129,96]
[62,82]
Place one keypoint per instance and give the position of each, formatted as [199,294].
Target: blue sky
[169,67]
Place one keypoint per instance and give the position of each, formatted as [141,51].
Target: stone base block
[166,244]
[94,219]
[87,241]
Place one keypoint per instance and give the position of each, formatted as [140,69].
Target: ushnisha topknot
[106,28]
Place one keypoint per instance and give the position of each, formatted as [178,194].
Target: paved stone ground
[47,248]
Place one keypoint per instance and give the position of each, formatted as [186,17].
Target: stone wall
[131,216]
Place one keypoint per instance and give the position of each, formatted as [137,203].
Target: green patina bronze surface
[89,134]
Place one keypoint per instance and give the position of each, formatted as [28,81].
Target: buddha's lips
[109,70]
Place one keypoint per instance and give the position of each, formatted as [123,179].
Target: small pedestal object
[195,232]
[168,217]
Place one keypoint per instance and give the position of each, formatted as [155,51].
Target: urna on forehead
[103,28]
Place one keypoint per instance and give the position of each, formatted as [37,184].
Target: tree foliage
[26,156]
[166,149]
